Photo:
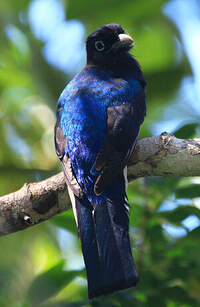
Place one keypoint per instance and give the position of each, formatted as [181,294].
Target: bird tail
[104,233]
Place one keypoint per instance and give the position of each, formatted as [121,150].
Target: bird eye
[99,45]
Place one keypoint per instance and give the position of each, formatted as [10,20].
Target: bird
[98,119]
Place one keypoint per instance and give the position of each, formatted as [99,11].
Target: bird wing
[60,144]
[123,125]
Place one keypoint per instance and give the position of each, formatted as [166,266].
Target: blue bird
[99,115]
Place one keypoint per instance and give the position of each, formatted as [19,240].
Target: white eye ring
[99,45]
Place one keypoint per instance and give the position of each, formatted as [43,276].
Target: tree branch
[162,155]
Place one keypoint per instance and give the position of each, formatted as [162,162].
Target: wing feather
[123,126]
[70,177]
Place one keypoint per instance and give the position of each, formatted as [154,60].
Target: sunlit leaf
[66,220]
[50,283]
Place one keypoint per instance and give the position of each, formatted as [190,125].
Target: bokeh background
[41,48]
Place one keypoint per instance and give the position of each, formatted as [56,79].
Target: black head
[106,44]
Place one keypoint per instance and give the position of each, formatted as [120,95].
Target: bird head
[106,44]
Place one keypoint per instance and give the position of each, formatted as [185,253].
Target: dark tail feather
[112,233]
[105,243]
[89,245]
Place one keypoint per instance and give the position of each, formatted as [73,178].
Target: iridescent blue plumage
[99,115]
[83,119]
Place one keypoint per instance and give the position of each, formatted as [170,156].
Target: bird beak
[125,41]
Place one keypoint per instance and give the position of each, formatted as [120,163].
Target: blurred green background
[41,48]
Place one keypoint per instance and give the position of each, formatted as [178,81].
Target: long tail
[104,235]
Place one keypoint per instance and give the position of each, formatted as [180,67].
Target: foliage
[35,267]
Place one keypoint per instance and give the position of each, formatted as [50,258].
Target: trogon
[99,115]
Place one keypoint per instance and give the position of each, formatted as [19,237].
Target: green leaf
[178,295]
[190,191]
[66,220]
[49,283]
[130,12]
[3,302]
[194,235]
[186,131]
[177,215]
